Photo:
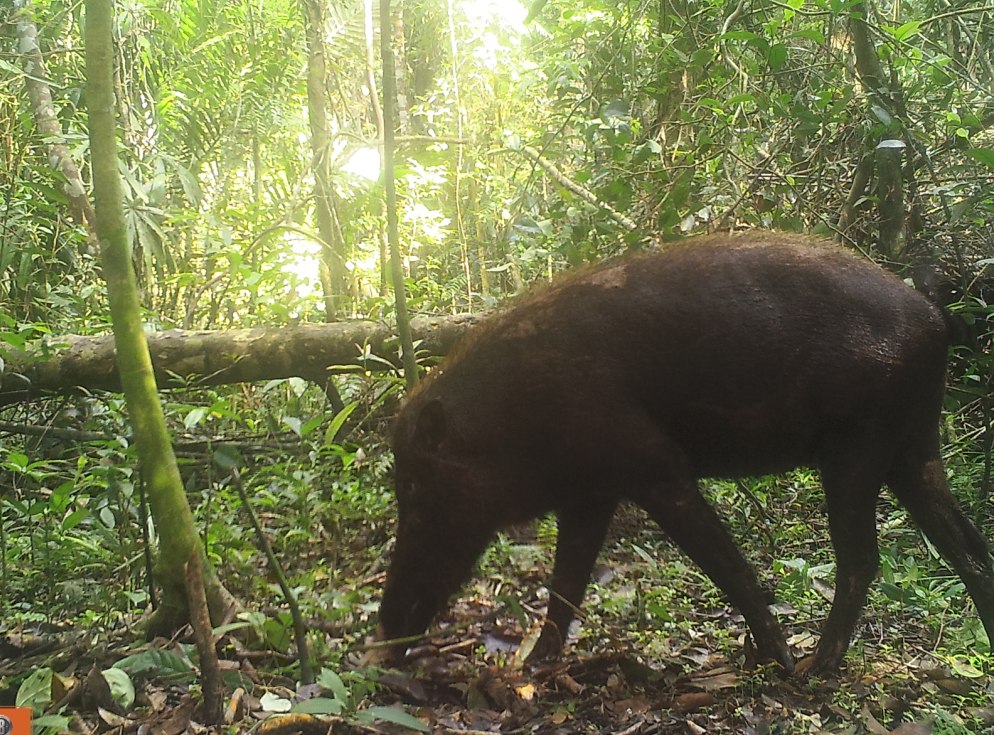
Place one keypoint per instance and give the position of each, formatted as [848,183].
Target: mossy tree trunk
[178,540]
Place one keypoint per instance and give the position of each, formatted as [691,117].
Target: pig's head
[442,523]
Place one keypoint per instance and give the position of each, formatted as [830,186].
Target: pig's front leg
[581,534]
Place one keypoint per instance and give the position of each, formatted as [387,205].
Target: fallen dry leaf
[692,701]
[959,687]
[712,681]
[526,692]
[157,699]
[871,722]
[567,682]
[631,706]
[177,722]
[112,719]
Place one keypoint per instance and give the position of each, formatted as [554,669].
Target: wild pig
[725,356]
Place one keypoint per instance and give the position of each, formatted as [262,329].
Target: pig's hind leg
[687,518]
[919,482]
[582,529]
[851,479]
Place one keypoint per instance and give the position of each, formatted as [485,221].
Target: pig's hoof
[813,665]
[777,652]
[784,657]
[549,645]
[380,651]
[381,655]
[806,666]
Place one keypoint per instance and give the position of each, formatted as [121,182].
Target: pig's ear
[430,429]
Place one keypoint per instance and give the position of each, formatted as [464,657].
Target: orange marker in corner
[15,721]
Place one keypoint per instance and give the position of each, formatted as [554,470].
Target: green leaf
[294,424]
[533,226]
[319,706]
[712,104]
[392,715]
[893,591]
[646,150]
[333,683]
[228,627]
[194,417]
[309,426]
[337,421]
[646,556]
[155,662]
[227,457]
[273,703]
[776,56]
[810,34]
[16,462]
[277,634]
[881,114]
[121,687]
[964,669]
[740,99]
[74,519]
[906,31]
[50,724]
[36,690]
[984,155]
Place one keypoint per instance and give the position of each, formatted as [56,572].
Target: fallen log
[184,358]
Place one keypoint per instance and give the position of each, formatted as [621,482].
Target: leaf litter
[619,677]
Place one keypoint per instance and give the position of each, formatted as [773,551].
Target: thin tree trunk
[861,177]
[401,97]
[374,101]
[890,186]
[47,121]
[479,234]
[890,200]
[167,499]
[276,569]
[317,114]
[457,178]
[203,632]
[393,235]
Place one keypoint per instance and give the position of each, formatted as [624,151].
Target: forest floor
[692,674]
[658,651]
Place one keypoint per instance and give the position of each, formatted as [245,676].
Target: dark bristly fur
[722,357]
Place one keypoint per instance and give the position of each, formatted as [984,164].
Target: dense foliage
[527,144]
